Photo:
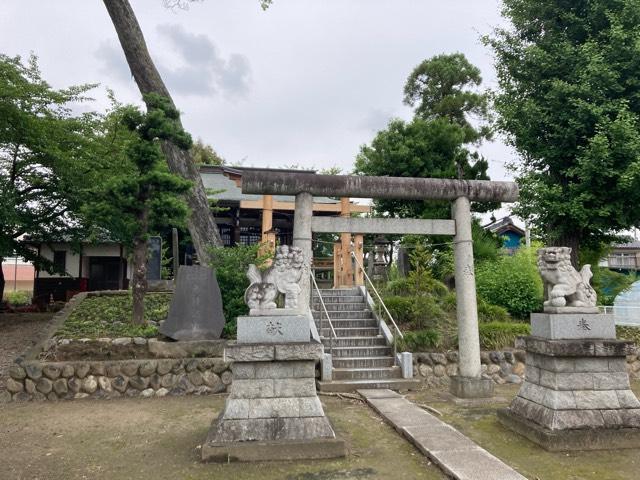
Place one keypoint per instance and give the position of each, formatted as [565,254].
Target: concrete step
[350,332]
[342,307]
[339,299]
[362,362]
[356,341]
[345,315]
[348,323]
[352,385]
[365,351]
[381,373]
[337,291]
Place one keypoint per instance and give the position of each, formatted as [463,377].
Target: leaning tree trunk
[201,224]
[139,277]
[1,282]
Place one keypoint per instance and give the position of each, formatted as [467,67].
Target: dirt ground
[18,331]
[159,439]
[480,423]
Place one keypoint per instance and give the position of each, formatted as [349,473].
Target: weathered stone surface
[249,353]
[219,365]
[132,392]
[425,370]
[273,329]
[14,386]
[196,306]
[439,358]
[44,385]
[5,396]
[168,380]
[162,392]
[518,369]
[90,384]
[60,386]
[120,383]
[213,381]
[195,377]
[269,429]
[253,388]
[439,371]
[68,370]
[80,396]
[139,341]
[74,384]
[129,368]
[294,351]
[147,393]
[226,377]
[452,357]
[97,368]
[21,397]
[34,370]
[104,384]
[138,382]
[52,397]
[294,387]
[471,387]
[579,348]
[122,341]
[147,368]
[30,386]
[572,326]
[17,372]
[191,365]
[186,349]
[178,366]
[155,381]
[164,366]
[112,369]
[82,369]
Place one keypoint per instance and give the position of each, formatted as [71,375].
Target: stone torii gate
[304,186]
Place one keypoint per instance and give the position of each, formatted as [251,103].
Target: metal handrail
[377,294]
[324,307]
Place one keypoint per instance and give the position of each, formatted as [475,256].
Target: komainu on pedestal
[273,411]
[576,393]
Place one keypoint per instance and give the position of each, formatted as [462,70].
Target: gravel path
[19,331]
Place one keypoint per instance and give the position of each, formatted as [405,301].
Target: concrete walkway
[454,453]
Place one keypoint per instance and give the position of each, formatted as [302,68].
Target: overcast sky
[305,82]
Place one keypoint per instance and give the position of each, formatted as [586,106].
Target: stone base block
[273,329]
[571,326]
[471,387]
[276,450]
[570,440]
[247,352]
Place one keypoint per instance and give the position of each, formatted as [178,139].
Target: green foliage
[492,313]
[18,298]
[110,315]
[436,142]
[47,161]
[569,102]
[609,284]
[499,335]
[628,333]
[400,309]
[204,154]
[419,341]
[512,282]
[231,265]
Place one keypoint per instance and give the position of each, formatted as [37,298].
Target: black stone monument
[196,307]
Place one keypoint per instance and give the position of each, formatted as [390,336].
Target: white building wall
[73,259]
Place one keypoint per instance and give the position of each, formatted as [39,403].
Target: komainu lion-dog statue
[281,277]
[565,289]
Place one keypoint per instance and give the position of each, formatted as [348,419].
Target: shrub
[18,298]
[492,313]
[512,282]
[498,335]
[400,309]
[608,284]
[426,313]
[628,333]
[419,341]
[231,266]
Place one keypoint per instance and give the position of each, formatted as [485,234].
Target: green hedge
[499,335]
[18,298]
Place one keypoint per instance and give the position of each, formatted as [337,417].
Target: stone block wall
[436,368]
[35,380]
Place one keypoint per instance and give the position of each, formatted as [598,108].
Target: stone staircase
[361,356]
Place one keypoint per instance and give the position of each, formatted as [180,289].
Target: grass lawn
[110,316]
[481,425]
[159,438]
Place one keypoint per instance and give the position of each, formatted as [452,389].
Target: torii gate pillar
[302,239]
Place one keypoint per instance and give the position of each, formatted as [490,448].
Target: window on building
[60,260]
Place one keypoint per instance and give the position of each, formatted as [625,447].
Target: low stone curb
[458,456]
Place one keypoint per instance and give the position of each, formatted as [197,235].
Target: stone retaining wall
[34,380]
[436,368]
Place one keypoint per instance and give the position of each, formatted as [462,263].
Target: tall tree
[450,117]
[204,154]
[143,196]
[201,224]
[46,160]
[569,102]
